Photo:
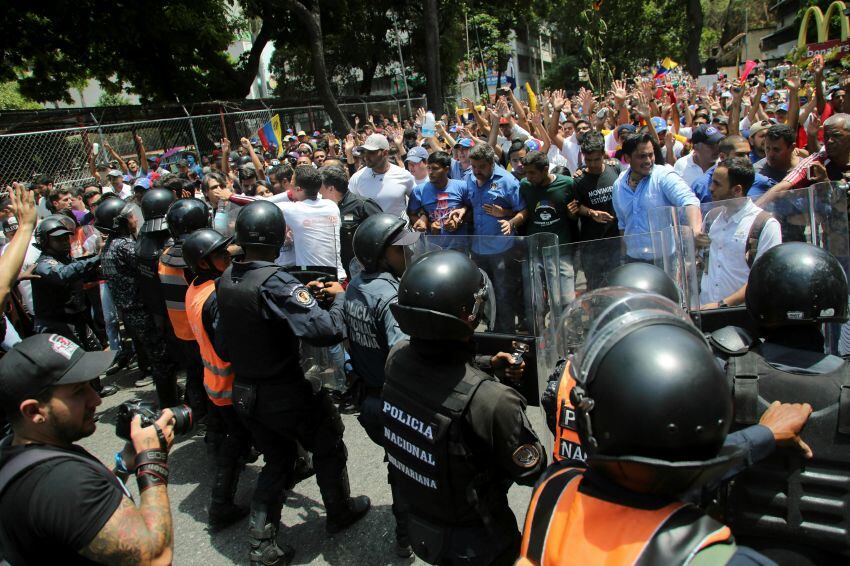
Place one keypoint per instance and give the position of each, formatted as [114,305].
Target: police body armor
[173,283]
[149,246]
[786,497]
[436,474]
[55,302]
[259,349]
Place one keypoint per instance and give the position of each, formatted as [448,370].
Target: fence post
[192,130]
[101,151]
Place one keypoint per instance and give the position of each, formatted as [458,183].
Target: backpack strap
[745,387]
[752,246]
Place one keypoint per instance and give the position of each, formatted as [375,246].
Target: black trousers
[279,414]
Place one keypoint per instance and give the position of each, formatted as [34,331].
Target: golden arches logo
[822,22]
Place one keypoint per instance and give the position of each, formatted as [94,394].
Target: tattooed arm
[136,535]
[144,534]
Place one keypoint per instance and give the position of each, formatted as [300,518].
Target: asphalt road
[370,541]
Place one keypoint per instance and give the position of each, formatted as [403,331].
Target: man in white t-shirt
[385,183]
[117,184]
[313,222]
[730,227]
[706,141]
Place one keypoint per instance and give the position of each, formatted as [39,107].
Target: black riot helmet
[186,215]
[155,204]
[200,244]
[653,406]
[112,216]
[442,296]
[375,234]
[796,283]
[260,223]
[646,277]
[54,225]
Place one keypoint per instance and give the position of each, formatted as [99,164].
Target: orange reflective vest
[174,288]
[566,526]
[567,443]
[218,374]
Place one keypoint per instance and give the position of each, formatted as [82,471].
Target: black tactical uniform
[792,509]
[372,329]
[153,238]
[353,210]
[270,392]
[456,439]
[58,296]
[120,270]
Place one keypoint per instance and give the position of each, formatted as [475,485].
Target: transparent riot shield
[735,232]
[527,296]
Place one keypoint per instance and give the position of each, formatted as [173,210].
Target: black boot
[342,509]
[264,548]
[223,511]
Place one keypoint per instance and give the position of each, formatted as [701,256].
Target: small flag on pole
[665,67]
[271,134]
[748,68]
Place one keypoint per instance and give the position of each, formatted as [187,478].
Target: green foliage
[12,99]
[112,99]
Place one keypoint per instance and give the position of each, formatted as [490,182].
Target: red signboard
[831,50]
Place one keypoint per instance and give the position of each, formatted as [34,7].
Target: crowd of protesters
[587,166]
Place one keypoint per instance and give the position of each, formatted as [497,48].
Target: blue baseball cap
[143,182]
[782,107]
[465,142]
[706,134]
[659,123]
[416,154]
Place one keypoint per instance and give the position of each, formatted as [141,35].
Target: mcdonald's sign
[830,48]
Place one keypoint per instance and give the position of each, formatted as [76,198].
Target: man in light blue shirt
[643,187]
[497,208]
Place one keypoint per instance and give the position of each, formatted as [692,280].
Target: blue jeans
[110,318]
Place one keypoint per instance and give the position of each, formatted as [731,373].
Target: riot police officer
[265,312]
[792,290]
[653,409]
[555,400]
[372,330]
[456,439]
[184,216]
[115,218]
[205,252]
[153,238]
[57,293]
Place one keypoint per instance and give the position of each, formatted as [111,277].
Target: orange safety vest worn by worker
[174,287]
[566,526]
[567,443]
[218,374]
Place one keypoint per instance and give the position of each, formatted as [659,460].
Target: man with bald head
[831,163]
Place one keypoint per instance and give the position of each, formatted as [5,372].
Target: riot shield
[527,296]
[736,232]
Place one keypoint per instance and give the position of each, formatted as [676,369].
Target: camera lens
[182,419]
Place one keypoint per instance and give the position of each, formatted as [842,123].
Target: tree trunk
[311,18]
[369,73]
[694,13]
[432,57]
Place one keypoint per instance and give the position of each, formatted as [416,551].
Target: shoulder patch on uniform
[526,456]
[302,296]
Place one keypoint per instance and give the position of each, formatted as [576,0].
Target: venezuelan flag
[271,135]
[666,66]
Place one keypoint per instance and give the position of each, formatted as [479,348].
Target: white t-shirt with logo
[315,233]
[390,190]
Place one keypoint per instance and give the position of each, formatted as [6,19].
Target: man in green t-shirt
[546,197]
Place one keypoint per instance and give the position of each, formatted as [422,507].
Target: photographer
[58,503]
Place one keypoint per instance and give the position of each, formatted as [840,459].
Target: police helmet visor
[595,322]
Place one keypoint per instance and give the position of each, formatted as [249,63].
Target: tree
[432,57]
[12,99]
[108,99]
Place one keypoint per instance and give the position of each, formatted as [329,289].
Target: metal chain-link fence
[66,156]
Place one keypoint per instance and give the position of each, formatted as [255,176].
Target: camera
[149,413]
